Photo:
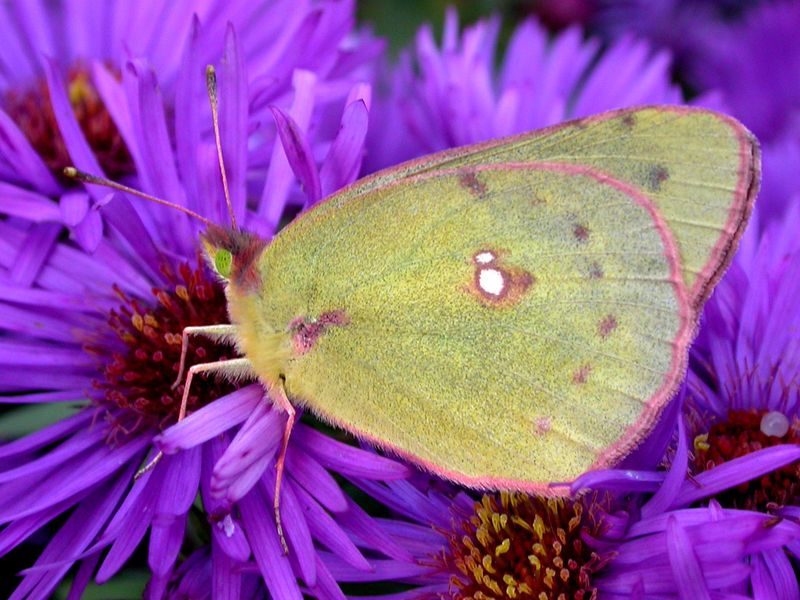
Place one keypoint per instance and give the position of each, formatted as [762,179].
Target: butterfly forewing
[700,168]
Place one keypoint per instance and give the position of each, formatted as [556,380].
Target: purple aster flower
[101,329]
[449,96]
[616,543]
[61,101]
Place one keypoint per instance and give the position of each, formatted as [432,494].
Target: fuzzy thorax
[267,350]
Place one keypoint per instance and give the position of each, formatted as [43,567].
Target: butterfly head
[233,254]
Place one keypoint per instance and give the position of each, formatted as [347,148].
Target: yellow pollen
[549,578]
[487,564]
[137,322]
[503,547]
[701,442]
[564,575]
[537,564]
[538,526]
[79,90]
[182,292]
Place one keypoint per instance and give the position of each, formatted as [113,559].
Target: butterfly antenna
[211,85]
[74,173]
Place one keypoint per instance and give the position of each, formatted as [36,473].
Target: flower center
[519,546]
[742,433]
[140,354]
[33,113]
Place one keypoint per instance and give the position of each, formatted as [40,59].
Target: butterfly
[505,315]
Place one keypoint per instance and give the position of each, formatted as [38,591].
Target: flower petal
[346,459]
[298,152]
[211,420]
[272,563]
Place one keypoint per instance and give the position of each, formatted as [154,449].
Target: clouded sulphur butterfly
[505,315]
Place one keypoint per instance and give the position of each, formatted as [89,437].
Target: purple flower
[100,328]
[449,96]
[615,543]
[747,51]
[67,78]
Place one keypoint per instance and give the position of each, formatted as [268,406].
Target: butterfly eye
[222,262]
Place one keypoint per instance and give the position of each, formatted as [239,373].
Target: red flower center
[140,359]
[738,436]
[33,113]
[519,546]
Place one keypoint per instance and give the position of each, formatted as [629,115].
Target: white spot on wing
[484,258]
[491,281]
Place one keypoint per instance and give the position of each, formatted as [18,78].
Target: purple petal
[773,576]
[665,496]
[83,577]
[77,146]
[343,162]
[25,161]
[74,205]
[211,420]
[295,526]
[226,581]
[622,480]
[75,445]
[181,482]
[327,532]
[89,232]
[166,537]
[382,570]
[47,435]
[363,527]
[299,154]
[258,436]
[187,127]
[226,529]
[19,530]
[736,471]
[130,532]
[685,566]
[113,96]
[75,476]
[313,478]
[346,459]
[73,537]
[29,205]
[233,119]
[279,179]
[272,563]
[325,586]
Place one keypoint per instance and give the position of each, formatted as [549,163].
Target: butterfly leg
[234,368]
[214,332]
[278,395]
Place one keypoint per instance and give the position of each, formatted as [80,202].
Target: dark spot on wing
[658,175]
[595,271]
[629,120]
[470,181]
[607,325]
[582,375]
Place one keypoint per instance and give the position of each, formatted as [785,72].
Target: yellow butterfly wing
[700,168]
[506,325]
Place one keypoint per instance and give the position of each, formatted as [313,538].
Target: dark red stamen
[33,113]
[140,352]
[740,435]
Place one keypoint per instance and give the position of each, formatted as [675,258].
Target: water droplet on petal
[775,424]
